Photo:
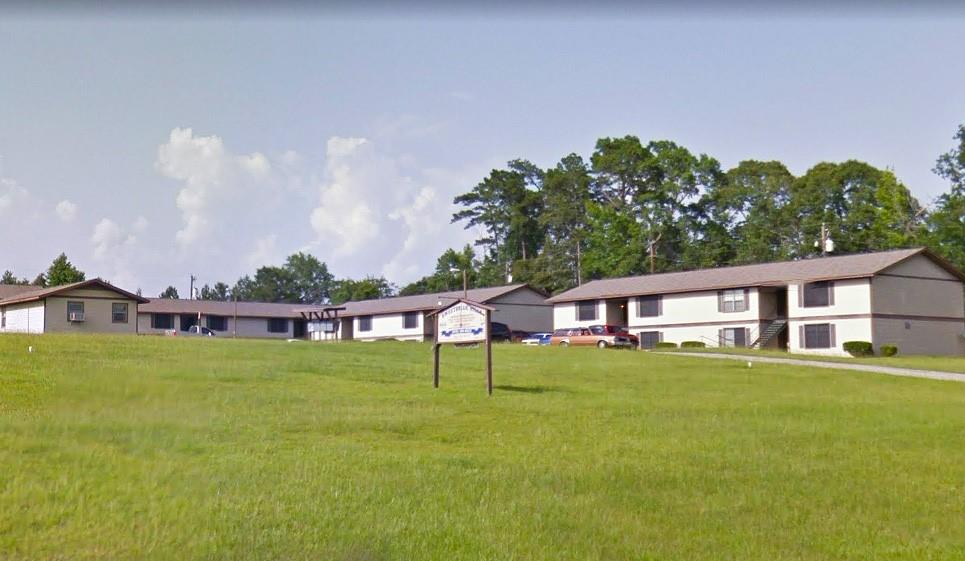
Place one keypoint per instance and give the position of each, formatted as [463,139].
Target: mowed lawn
[178,448]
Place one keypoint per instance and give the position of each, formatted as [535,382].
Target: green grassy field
[919,362]
[177,448]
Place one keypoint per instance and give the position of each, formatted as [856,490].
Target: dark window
[410,320]
[649,339]
[365,323]
[277,325]
[119,312]
[817,294]
[188,321]
[733,300]
[734,337]
[586,311]
[3,318]
[162,321]
[648,306]
[217,323]
[817,336]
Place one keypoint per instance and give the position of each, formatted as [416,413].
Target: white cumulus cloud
[66,210]
[215,183]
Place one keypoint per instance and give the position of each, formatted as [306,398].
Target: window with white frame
[119,312]
[586,311]
[75,310]
[732,300]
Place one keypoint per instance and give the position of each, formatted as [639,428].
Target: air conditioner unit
[75,316]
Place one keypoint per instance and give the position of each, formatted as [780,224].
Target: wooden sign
[463,321]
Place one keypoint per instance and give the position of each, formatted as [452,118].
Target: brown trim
[66,297]
[737,322]
[732,322]
[610,296]
[915,277]
[877,316]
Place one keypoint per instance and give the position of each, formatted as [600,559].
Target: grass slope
[176,448]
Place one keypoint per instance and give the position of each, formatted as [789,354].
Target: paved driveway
[890,370]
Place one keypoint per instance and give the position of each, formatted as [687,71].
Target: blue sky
[153,146]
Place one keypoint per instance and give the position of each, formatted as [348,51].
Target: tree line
[635,208]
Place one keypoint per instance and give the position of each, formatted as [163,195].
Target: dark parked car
[501,332]
[615,330]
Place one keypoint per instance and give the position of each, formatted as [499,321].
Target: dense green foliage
[692,345]
[889,350]
[666,345]
[858,348]
[170,293]
[658,207]
[9,278]
[180,448]
[61,272]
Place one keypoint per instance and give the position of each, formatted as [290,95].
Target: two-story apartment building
[911,298]
[91,306]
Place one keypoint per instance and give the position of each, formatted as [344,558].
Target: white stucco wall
[564,315]
[707,334]
[24,318]
[389,326]
[857,329]
[851,296]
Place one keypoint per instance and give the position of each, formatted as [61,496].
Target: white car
[537,339]
[199,331]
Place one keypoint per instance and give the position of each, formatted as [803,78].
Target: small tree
[62,271]
[9,278]
[170,293]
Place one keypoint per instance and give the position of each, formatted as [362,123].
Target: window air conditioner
[76,316]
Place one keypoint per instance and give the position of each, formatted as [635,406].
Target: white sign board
[462,323]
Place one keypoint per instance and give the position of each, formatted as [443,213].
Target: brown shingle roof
[425,302]
[16,297]
[10,290]
[396,304]
[216,308]
[806,270]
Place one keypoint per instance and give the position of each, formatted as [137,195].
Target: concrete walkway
[890,370]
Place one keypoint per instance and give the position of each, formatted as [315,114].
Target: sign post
[462,322]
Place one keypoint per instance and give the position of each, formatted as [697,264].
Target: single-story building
[92,306]
[240,319]
[910,298]
[401,317]
[519,306]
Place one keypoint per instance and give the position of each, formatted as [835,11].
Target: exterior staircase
[771,331]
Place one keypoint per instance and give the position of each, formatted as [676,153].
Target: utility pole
[653,252]
[191,290]
[465,285]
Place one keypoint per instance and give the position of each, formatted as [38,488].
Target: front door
[298,329]
[781,295]
[187,320]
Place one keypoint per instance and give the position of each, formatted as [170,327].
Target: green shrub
[859,348]
[693,345]
[663,345]
[889,350]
